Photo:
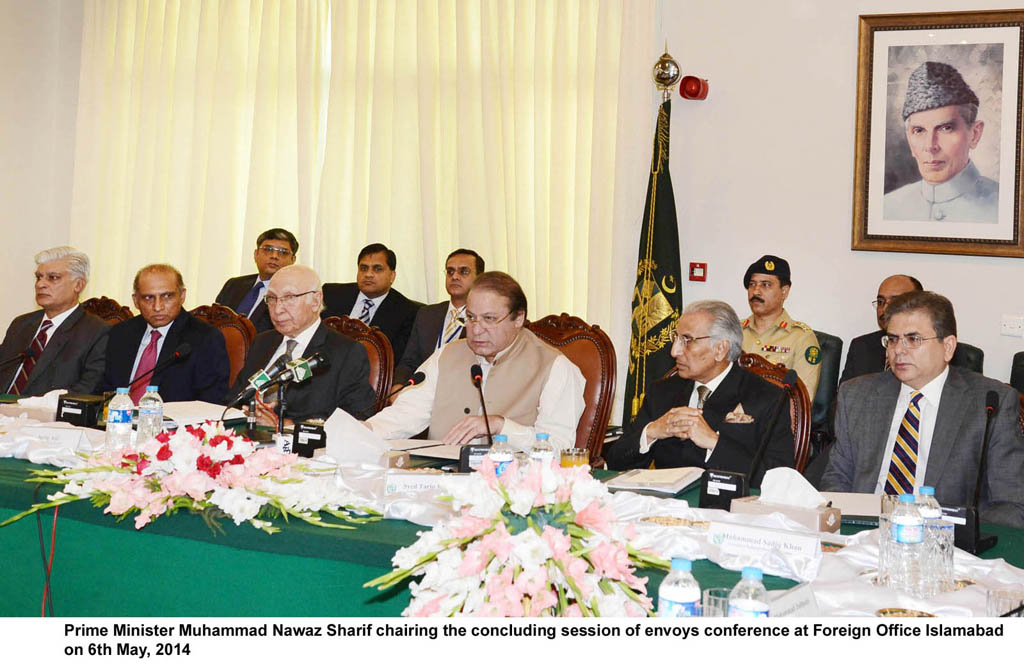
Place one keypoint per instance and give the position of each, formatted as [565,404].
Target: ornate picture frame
[937,165]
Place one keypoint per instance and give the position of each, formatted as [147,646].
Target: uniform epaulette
[802,326]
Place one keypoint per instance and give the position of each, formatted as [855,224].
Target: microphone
[477,374]
[788,381]
[297,371]
[183,351]
[258,381]
[991,409]
[414,380]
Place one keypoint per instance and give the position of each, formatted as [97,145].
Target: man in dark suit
[371,298]
[66,345]
[438,324]
[714,413]
[866,354]
[294,299]
[275,248]
[152,340]
[922,421]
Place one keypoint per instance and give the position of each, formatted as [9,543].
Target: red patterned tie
[38,344]
[146,363]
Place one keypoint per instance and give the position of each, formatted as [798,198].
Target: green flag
[657,299]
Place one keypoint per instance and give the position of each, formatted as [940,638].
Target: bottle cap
[681,564]
[927,490]
[152,389]
[542,435]
[752,573]
[122,390]
[906,497]
[501,437]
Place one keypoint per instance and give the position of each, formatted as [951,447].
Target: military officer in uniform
[770,332]
[940,115]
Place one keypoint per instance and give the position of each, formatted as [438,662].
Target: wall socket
[1011,326]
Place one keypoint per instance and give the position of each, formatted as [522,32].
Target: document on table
[190,413]
[669,481]
[440,451]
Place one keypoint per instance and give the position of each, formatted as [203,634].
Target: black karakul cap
[773,265]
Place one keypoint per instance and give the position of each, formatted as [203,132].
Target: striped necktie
[453,328]
[702,396]
[35,350]
[367,305]
[903,466]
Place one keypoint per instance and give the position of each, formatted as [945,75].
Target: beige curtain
[509,127]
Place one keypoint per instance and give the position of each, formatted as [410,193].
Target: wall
[39,48]
[765,165]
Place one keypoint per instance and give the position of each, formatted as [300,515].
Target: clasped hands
[684,423]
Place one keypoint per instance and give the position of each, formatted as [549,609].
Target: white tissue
[351,442]
[783,485]
[47,401]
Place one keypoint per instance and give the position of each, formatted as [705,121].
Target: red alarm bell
[693,88]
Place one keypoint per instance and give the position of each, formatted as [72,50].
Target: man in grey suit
[922,421]
[60,345]
[438,324]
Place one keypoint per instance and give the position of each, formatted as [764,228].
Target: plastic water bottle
[151,416]
[501,454]
[938,540]
[749,599]
[119,420]
[542,451]
[679,594]
[906,547]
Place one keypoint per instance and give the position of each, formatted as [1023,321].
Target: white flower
[474,492]
[585,491]
[237,503]
[522,500]
[529,550]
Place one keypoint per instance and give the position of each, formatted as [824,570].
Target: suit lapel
[56,342]
[877,415]
[174,336]
[20,345]
[952,409]
[723,400]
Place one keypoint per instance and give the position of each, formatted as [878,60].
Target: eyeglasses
[283,300]
[270,250]
[685,340]
[462,271]
[880,302]
[909,341]
[487,322]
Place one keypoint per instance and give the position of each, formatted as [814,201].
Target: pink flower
[576,568]
[612,561]
[430,608]
[486,470]
[195,484]
[563,493]
[474,560]
[498,542]
[558,541]
[469,525]
[504,595]
[595,517]
[542,600]
[573,611]
[533,481]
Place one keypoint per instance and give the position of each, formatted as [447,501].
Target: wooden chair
[238,333]
[378,350]
[799,404]
[590,349]
[107,309]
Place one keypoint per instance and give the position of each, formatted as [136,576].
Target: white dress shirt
[357,308]
[929,408]
[558,411]
[259,298]
[713,384]
[303,339]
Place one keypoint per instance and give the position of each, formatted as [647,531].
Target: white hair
[725,325]
[78,262]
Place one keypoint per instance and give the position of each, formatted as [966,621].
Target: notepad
[665,481]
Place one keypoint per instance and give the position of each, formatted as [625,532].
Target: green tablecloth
[177,567]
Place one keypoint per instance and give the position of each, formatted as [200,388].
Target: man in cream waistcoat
[529,386]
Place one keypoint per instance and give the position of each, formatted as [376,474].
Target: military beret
[773,265]
[933,85]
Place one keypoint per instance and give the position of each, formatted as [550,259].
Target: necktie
[453,327]
[702,395]
[367,305]
[146,364]
[36,349]
[249,301]
[903,466]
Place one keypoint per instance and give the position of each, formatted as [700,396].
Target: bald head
[294,299]
[897,284]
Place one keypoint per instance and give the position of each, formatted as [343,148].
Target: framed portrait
[938,144]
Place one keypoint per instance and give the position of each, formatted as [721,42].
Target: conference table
[178,566]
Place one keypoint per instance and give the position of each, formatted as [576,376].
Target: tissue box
[820,519]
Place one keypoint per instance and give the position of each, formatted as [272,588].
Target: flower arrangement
[206,469]
[538,540]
